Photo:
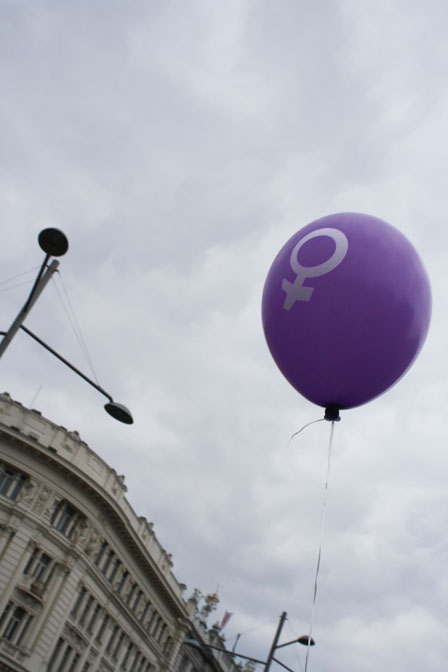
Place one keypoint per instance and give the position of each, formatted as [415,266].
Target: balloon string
[319,555]
[302,428]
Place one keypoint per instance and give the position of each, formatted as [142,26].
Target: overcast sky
[179,145]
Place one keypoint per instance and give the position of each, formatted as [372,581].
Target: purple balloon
[346,309]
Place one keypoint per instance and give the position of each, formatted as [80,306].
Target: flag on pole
[225,620]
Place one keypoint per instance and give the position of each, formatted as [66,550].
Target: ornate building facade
[85,586]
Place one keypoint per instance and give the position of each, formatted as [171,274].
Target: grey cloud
[179,147]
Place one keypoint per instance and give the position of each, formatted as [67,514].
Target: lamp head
[119,412]
[53,242]
[306,641]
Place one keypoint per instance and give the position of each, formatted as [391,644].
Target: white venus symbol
[295,291]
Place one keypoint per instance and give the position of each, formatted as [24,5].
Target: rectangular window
[141,667]
[127,656]
[18,484]
[62,667]
[6,479]
[14,624]
[87,609]
[161,633]
[81,595]
[40,571]
[11,481]
[101,553]
[135,662]
[40,567]
[116,653]
[49,576]
[145,611]
[151,621]
[24,630]
[112,639]
[5,613]
[114,571]
[122,582]
[31,561]
[137,600]
[64,658]
[64,519]
[55,654]
[94,618]
[131,593]
[100,635]
[74,664]
[106,565]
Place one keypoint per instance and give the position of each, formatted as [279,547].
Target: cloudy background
[179,145]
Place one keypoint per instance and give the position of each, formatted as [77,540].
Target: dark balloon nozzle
[332,413]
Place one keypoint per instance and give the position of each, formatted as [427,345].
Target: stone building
[85,586]
[204,649]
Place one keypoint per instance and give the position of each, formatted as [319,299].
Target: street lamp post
[55,244]
[304,639]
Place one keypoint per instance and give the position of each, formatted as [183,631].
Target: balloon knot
[332,413]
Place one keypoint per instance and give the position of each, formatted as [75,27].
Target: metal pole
[40,283]
[237,638]
[197,645]
[67,363]
[275,641]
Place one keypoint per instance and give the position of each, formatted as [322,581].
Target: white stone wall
[70,506]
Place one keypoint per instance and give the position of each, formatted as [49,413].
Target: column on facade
[18,553]
[178,638]
[6,535]
[54,589]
